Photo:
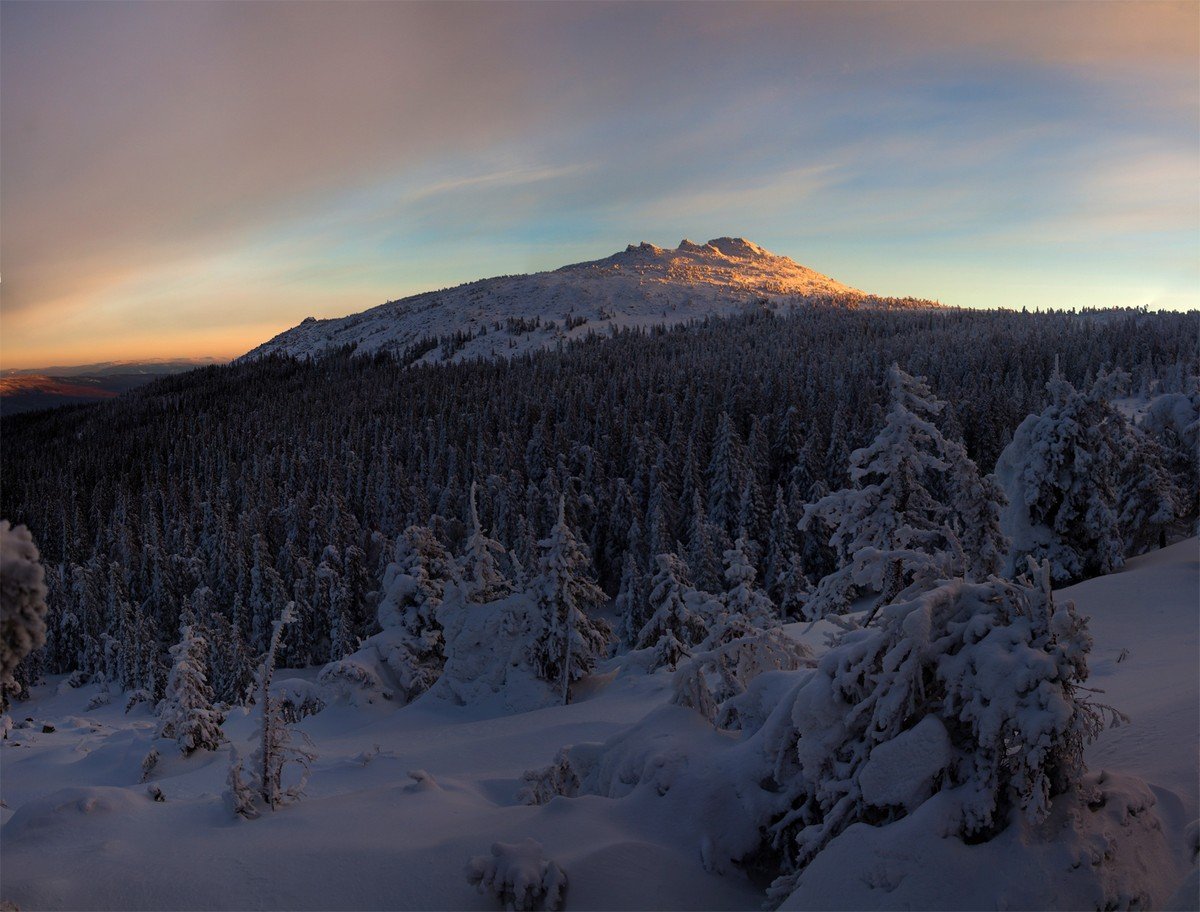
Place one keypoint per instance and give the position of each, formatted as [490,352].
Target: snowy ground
[81,832]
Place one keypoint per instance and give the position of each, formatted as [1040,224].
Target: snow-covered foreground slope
[81,832]
[643,285]
[1140,847]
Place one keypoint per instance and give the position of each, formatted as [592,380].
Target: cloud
[367,148]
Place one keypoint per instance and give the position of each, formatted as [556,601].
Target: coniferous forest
[230,491]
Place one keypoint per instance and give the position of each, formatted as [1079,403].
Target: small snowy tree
[480,564]
[743,598]
[570,640]
[631,605]
[673,627]
[186,713]
[22,599]
[972,686]
[413,587]
[275,748]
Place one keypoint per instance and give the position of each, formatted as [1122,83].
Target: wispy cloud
[218,163]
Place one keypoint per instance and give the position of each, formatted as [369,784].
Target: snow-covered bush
[724,666]
[557,779]
[22,599]
[299,698]
[974,687]
[242,796]
[519,876]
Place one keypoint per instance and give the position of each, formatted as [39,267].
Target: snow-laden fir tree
[726,475]
[780,546]
[913,492]
[480,564]
[413,587]
[632,602]
[570,640]
[674,626]
[702,557]
[743,598]
[1062,474]
[22,600]
[1172,420]
[1149,497]
[186,712]
[971,688]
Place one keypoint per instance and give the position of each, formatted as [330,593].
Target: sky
[189,179]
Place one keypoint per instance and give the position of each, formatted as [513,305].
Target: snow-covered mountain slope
[643,285]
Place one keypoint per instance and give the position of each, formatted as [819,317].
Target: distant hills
[30,389]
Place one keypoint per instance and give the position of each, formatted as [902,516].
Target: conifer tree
[186,713]
[480,566]
[896,526]
[570,641]
[673,627]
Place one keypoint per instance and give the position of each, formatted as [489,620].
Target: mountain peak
[641,286]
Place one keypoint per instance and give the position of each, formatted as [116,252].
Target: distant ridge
[643,285]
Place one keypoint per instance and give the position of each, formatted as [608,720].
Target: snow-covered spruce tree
[275,748]
[186,712]
[780,546]
[1061,474]
[970,688]
[632,602]
[913,491]
[22,601]
[480,564]
[413,587]
[1149,497]
[727,472]
[794,587]
[674,627]
[1173,421]
[570,641]
[702,557]
[743,598]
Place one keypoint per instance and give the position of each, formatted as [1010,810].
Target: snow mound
[1109,851]
[60,811]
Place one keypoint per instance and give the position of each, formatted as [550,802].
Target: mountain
[29,389]
[643,285]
